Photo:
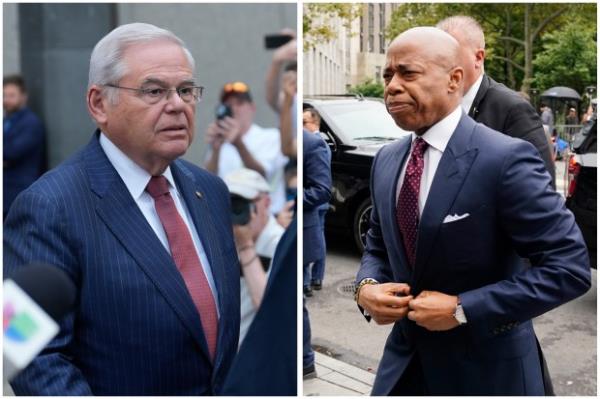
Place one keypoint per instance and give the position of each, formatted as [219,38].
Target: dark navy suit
[135,330]
[503,186]
[24,153]
[317,191]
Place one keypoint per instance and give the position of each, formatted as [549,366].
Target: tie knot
[420,146]
[157,186]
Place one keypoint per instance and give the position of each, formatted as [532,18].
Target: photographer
[237,142]
[256,235]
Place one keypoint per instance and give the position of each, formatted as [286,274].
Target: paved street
[567,334]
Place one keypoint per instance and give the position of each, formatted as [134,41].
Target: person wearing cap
[256,241]
[236,141]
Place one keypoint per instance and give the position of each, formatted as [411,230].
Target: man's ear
[456,79]
[97,104]
[479,58]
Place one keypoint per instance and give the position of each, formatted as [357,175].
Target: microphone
[36,298]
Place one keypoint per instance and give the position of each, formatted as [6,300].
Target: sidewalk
[336,378]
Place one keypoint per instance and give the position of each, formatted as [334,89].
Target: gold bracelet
[362,283]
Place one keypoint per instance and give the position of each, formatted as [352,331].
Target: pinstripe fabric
[135,330]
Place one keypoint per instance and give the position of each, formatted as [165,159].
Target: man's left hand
[434,311]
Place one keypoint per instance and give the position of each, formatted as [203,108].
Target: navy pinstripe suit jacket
[135,330]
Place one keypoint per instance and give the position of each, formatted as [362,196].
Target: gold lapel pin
[199,194]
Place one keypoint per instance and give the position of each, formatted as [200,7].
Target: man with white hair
[488,101]
[145,236]
[257,239]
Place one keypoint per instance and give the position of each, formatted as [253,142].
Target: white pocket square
[455,217]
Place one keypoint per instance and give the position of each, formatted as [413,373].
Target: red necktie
[407,209]
[186,258]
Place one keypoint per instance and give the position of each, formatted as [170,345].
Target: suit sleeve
[35,230]
[317,176]
[524,123]
[541,229]
[23,139]
[375,262]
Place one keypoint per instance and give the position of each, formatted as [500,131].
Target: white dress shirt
[437,137]
[136,179]
[265,146]
[469,97]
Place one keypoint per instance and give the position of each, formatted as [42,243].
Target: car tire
[360,224]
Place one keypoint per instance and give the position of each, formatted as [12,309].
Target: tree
[368,88]
[317,19]
[568,59]
[513,30]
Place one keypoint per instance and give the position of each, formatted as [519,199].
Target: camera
[241,210]
[222,111]
[276,40]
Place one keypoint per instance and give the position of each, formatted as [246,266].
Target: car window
[361,121]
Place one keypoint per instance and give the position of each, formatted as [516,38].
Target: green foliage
[369,88]
[504,28]
[568,59]
[317,18]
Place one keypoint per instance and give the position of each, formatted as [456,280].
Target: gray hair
[106,63]
[467,26]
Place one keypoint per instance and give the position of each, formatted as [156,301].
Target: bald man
[456,206]
[490,102]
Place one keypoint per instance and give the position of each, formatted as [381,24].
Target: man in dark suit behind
[490,102]
[145,236]
[317,191]
[456,205]
[23,139]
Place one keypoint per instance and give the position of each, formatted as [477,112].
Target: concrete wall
[10,47]
[56,44]
[53,43]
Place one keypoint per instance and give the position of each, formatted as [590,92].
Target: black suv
[581,183]
[355,128]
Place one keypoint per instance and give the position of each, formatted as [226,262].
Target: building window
[381,43]
[371,43]
[378,74]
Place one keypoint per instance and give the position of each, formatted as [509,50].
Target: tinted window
[361,120]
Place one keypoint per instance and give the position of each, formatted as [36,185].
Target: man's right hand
[383,303]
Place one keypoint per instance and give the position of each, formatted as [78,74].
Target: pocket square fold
[455,217]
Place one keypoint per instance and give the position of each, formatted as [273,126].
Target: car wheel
[361,224]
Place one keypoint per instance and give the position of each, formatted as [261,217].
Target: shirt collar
[469,97]
[134,176]
[438,135]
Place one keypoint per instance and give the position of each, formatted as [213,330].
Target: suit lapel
[396,167]
[483,88]
[449,178]
[124,219]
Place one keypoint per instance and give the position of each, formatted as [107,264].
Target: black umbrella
[561,92]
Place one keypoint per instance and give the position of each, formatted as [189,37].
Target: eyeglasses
[235,87]
[153,95]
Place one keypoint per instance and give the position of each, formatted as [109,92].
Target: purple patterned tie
[407,209]
[186,258]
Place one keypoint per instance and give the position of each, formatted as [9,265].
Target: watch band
[362,283]
[459,315]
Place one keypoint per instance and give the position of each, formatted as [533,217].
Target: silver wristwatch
[459,315]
